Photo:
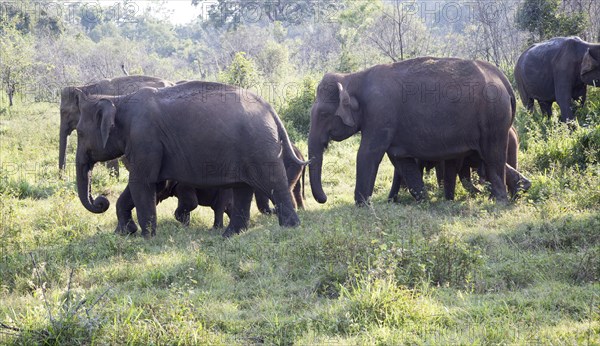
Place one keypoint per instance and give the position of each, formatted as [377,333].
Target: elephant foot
[127,229]
[148,235]
[291,221]
[266,211]
[183,217]
[217,225]
[229,232]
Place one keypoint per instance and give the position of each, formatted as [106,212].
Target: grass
[439,272]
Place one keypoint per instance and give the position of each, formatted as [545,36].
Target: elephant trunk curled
[315,154]
[84,175]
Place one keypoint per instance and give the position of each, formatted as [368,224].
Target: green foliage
[273,61]
[544,19]
[296,114]
[381,302]
[241,72]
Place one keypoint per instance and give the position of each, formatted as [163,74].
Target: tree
[543,19]
[241,72]
[16,64]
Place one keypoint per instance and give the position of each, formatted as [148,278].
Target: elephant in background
[186,133]
[430,109]
[69,107]
[558,70]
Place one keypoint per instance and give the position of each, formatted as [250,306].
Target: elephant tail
[287,143]
[303,174]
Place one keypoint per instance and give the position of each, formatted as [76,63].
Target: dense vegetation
[438,272]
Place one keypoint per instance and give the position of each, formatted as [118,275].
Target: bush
[296,114]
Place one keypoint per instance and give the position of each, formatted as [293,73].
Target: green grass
[438,272]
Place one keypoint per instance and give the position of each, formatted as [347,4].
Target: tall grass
[438,272]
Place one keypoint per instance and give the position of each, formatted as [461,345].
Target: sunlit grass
[437,272]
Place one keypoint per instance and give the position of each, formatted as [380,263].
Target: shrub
[296,114]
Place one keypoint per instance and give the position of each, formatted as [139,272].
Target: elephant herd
[217,145]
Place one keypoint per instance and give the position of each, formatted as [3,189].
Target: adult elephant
[430,109]
[69,108]
[558,70]
[188,134]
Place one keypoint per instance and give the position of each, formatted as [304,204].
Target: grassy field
[438,272]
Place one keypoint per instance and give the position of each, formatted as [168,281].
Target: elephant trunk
[62,147]
[315,155]
[84,174]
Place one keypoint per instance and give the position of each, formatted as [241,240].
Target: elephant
[69,109]
[558,70]
[220,200]
[515,180]
[186,133]
[430,109]
[294,172]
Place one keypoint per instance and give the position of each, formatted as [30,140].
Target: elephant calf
[220,200]
[446,172]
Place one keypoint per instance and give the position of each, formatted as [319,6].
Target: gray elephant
[294,172]
[558,70]
[514,179]
[220,200]
[187,133]
[431,109]
[69,109]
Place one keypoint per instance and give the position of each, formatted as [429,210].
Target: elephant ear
[107,112]
[348,105]
[589,63]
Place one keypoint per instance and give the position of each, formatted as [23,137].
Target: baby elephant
[446,172]
[219,199]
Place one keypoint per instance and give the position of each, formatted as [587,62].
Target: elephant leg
[262,203]
[450,171]
[495,161]
[397,182]
[144,198]
[125,223]
[240,215]
[464,174]
[529,104]
[440,173]
[218,220]
[413,176]
[297,194]
[546,107]
[564,98]
[367,165]
[187,201]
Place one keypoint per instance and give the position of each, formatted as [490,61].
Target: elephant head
[69,116]
[96,122]
[334,115]
[590,66]
[69,107]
